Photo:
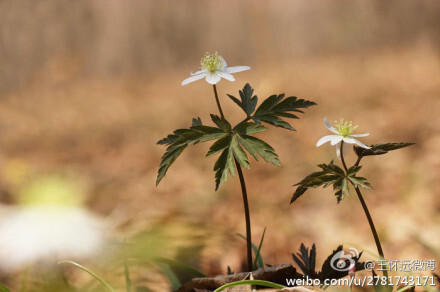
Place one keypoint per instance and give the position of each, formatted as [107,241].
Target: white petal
[227,76]
[224,64]
[212,78]
[360,135]
[325,139]
[328,126]
[338,150]
[236,69]
[192,79]
[198,72]
[354,141]
[345,149]
[336,139]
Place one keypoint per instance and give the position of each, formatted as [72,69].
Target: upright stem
[218,102]
[244,194]
[246,215]
[342,156]
[370,221]
[367,212]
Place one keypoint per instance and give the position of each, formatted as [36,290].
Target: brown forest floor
[102,133]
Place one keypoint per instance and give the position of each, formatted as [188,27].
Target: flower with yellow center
[343,133]
[213,68]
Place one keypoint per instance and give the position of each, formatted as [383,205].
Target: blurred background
[87,88]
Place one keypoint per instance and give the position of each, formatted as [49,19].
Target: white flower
[343,132]
[213,68]
[47,233]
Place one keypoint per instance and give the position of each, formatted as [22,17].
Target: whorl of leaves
[233,144]
[331,174]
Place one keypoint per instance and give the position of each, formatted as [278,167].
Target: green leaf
[255,249]
[182,138]
[360,181]
[331,168]
[225,163]
[251,282]
[249,128]
[239,153]
[353,170]
[248,102]
[275,107]
[224,166]
[169,274]
[330,175]
[258,257]
[101,280]
[178,265]
[306,261]
[4,289]
[257,147]
[196,122]
[298,193]
[219,145]
[221,123]
[127,276]
[379,149]
[341,189]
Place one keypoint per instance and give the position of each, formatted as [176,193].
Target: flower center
[345,128]
[212,62]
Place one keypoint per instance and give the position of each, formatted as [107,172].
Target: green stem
[246,215]
[218,102]
[244,195]
[342,156]
[367,212]
[370,221]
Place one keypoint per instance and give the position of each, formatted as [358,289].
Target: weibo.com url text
[366,281]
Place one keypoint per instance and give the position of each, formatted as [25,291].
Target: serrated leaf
[257,147]
[239,153]
[298,193]
[273,120]
[339,196]
[249,128]
[360,181]
[221,123]
[332,168]
[275,107]
[219,145]
[182,138]
[353,170]
[167,160]
[379,149]
[330,174]
[248,102]
[341,188]
[224,166]
[306,261]
[196,121]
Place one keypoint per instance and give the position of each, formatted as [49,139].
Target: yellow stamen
[345,128]
[211,62]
